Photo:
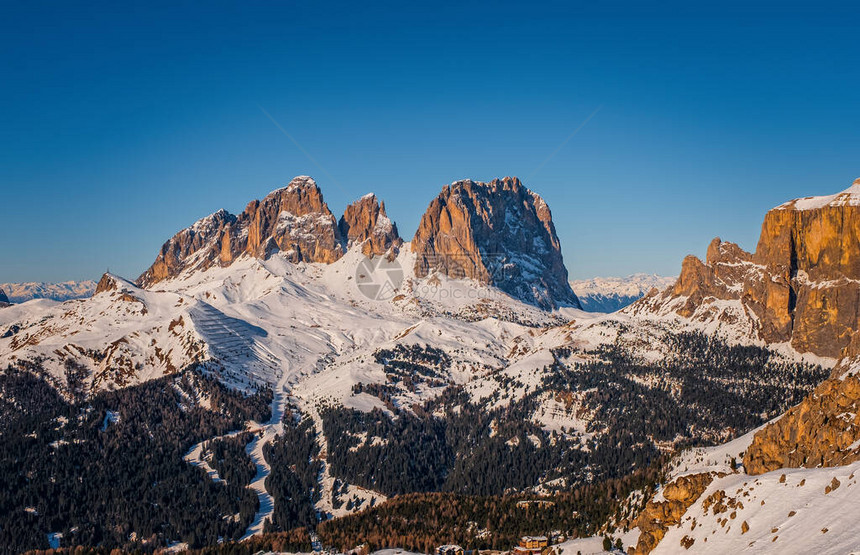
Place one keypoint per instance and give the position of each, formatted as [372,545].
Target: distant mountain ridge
[67,290]
[608,294]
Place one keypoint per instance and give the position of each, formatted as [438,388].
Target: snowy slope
[848,197]
[120,337]
[608,294]
[785,511]
[67,290]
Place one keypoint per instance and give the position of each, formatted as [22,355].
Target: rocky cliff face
[498,233]
[3,297]
[365,224]
[823,430]
[294,220]
[801,285]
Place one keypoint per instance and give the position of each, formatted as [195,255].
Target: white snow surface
[718,458]
[848,197]
[797,516]
[593,545]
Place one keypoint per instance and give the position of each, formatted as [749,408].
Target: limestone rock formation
[294,220]
[365,223]
[198,246]
[823,430]
[801,285]
[658,516]
[497,233]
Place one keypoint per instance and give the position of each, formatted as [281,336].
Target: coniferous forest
[110,471]
[706,392]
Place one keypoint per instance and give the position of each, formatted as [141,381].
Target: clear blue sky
[121,123]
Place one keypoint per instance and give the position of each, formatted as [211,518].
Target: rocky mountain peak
[365,223]
[3,298]
[201,245]
[497,233]
[294,220]
[801,284]
[301,196]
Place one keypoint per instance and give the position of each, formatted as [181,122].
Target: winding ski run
[265,433]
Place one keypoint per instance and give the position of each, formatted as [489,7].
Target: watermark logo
[378,278]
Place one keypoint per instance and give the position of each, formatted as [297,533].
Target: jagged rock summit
[365,223]
[498,233]
[802,284]
[294,220]
[4,300]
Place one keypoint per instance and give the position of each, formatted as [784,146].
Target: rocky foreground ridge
[498,233]
[802,284]
[822,431]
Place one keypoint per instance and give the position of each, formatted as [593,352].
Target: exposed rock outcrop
[294,220]
[659,516]
[106,283]
[823,430]
[196,247]
[3,298]
[498,233]
[801,285]
[365,223]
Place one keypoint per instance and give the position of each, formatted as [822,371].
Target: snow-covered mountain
[783,487]
[608,294]
[379,352]
[67,290]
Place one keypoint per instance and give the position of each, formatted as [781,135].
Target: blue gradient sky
[122,123]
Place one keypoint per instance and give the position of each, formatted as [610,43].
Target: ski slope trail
[255,451]
[195,457]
